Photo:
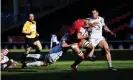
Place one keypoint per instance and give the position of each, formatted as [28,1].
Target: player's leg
[90,54]
[89,49]
[48,59]
[34,64]
[39,46]
[27,50]
[85,44]
[104,45]
[35,56]
[41,62]
[28,45]
[23,55]
[6,64]
[76,49]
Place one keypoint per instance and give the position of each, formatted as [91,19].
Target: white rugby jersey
[4,59]
[97,30]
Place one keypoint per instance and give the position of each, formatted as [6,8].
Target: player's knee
[106,49]
[27,49]
[42,63]
[40,48]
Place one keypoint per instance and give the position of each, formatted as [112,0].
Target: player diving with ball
[50,58]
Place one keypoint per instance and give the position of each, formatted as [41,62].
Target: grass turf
[61,71]
[97,70]
[47,50]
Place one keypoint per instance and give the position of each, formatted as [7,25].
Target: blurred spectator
[54,41]
[131,27]
[131,23]
[10,41]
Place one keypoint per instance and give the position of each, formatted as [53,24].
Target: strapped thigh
[85,43]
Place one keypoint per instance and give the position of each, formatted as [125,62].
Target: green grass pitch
[60,70]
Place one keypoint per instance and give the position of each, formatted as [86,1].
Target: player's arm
[107,29]
[64,44]
[37,33]
[92,24]
[24,30]
[80,36]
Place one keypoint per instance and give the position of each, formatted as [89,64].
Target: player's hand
[64,44]
[95,24]
[113,34]
[89,29]
[37,35]
[30,33]
[97,21]
[27,33]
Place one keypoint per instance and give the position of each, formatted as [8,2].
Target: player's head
[4,51]
[95,13]
[31,17]
[86,21]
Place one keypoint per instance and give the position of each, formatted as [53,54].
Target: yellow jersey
[30,27]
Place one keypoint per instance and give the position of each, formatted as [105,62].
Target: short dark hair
[94,9]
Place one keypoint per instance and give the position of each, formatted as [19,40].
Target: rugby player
[78,32]
[95,39]
[50,58]
[5,61]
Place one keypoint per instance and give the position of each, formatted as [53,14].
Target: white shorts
[53,57]
[95,41]
[5,59]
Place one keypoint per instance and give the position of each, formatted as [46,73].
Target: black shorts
[29,42]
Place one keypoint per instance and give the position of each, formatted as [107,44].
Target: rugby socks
[109,64]
[37,63]
[36,56]
[78,61]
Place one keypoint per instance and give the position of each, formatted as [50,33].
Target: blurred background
[56,16]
